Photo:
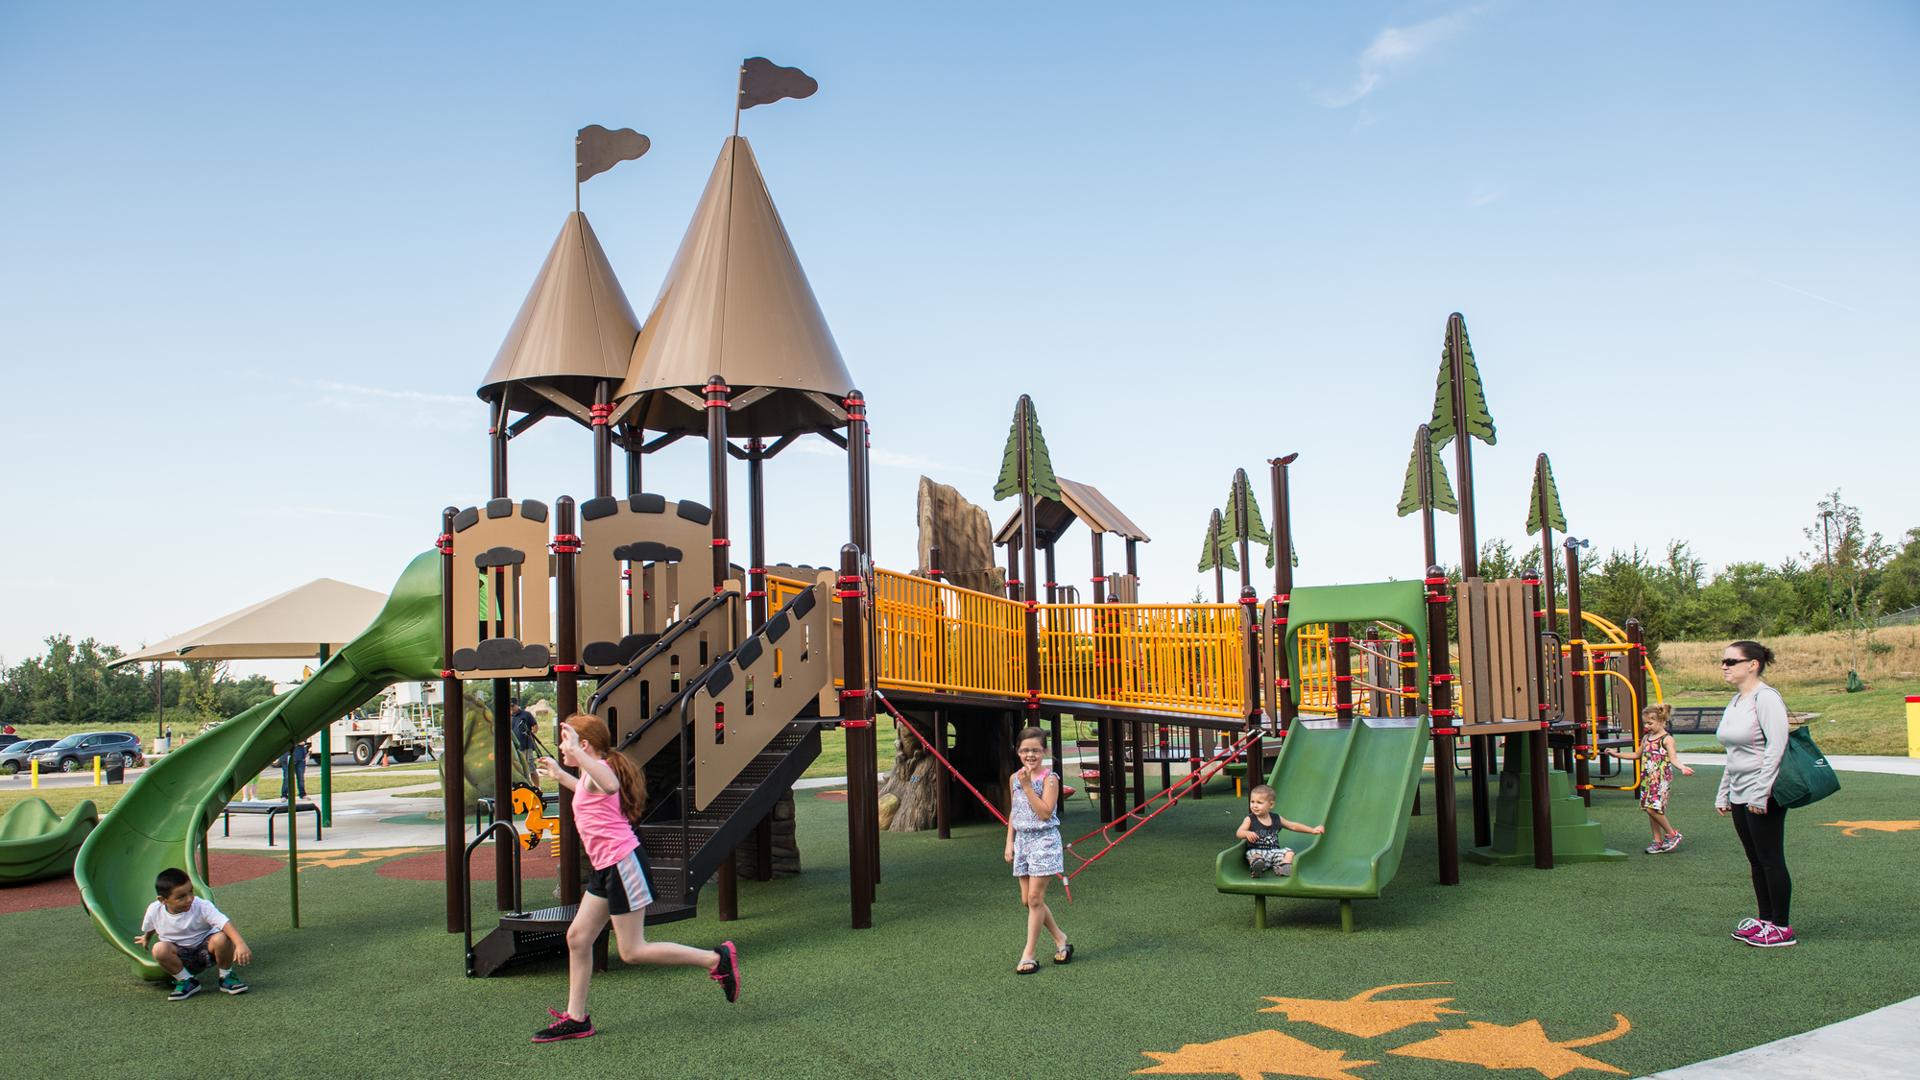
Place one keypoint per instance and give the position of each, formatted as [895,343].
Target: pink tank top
[603,829]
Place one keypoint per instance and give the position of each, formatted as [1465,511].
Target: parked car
[8,739]
[13,759]
[76,752]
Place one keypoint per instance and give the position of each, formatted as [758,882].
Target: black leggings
[1765,837]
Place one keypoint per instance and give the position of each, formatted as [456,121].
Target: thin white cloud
[1484,194]
[1814,295]
[1393,47]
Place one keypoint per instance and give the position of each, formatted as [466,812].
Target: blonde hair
[633,787]
[1657,713]
[1263,789]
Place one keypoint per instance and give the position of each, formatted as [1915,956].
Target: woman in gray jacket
[1754,732]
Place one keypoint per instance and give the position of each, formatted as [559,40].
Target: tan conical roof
[736,303]
[574,329]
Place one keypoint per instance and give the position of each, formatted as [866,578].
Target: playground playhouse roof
[574,329]
[1077,502]
[736,303]
[291,626]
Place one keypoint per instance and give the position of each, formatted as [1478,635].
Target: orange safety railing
[1174,658]
[1316,670]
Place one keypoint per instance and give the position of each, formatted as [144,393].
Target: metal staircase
[736,737]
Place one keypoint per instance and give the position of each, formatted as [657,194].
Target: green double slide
[1359,781]
[160,820]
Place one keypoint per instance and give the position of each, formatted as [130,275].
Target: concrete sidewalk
[359,821]
[1868,763]
[1880,1045]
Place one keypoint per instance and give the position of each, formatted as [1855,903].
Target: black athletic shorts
[625,886]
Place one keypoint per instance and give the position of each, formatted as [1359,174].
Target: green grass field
[372,985]
[63,799]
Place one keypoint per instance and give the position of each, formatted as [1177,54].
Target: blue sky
[254,261]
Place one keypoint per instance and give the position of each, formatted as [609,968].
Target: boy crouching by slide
[190,935]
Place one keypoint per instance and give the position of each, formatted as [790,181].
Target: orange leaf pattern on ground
[1854,828]
[1521,1046]
[1362,1015]
[1253,1057]
[334,860]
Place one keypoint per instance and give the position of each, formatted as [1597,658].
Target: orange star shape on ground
[1253,1057]
[1522,1046]
[1360,1014]
[1855,828]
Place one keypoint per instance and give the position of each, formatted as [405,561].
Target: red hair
[633,787]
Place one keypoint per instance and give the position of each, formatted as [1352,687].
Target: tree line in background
[1847,580]
[71,684]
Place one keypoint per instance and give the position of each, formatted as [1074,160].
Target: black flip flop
[1027,967]
[1065,955]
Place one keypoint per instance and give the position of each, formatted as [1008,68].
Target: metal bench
[268,810]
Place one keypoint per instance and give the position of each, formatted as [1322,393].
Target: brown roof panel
[574,329]
[1079,501]
[736,303]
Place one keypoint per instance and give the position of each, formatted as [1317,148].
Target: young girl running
[608,796]
[1033,844]
[1657,756]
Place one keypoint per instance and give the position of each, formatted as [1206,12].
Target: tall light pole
[1826,543]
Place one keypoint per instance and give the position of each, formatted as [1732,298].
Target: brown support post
[860,528]
[1029,531]
[1251,681]
[1423,450]
[1340,645]
[1462,447]
[1376,698]
[1196,759]
[1137,729]
[1243,520]
[1546,547]
[1013,564]
[453,723]
[1059,762]
[635,465]
[757,531]
[503,758]
[566,676]
[1637,667]
[1099,565]
[727,876]
[1133,560]
[856,720]
[1577,663]
[943,792]
[600,418]
[1285,706]
[1537,740]
[1053,578]
[1440,709]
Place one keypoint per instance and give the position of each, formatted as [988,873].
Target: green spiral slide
[159,820]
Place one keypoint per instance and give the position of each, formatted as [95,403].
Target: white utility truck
[403,723]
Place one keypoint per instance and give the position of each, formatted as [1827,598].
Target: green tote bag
[1805,775]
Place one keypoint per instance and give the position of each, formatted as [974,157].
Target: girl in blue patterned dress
[1033,844]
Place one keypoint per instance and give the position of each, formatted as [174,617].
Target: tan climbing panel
[645,563]
[502,595]
[1499,671]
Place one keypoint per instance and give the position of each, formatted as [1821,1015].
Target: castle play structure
[719,675]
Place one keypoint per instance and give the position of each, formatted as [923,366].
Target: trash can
[116,770]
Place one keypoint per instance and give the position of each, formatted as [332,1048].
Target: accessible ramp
[163,818]
[1358,780]
[36,842]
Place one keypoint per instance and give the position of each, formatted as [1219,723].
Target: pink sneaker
[1673,841]
[1773,937]
[1748,928]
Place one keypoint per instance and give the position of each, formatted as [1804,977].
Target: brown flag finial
[596,150]
[763,82]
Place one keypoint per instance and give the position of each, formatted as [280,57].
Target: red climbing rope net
[1138,816]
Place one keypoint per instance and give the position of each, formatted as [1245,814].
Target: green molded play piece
[1359,781]
[1550,514]
[160,820]
[1040,477]
[1576,836]
[1403,603]
[37,843]
[1215,550]
[1439,488]
[1479,421]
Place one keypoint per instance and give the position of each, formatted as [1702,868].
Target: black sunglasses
[1729,663]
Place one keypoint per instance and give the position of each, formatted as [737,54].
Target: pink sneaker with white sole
[1748,928]
[1773,937]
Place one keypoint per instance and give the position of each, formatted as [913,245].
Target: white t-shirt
[189,928]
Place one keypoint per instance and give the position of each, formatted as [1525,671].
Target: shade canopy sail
[1077,502]
[575,329]
[737,304]
[291,626]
